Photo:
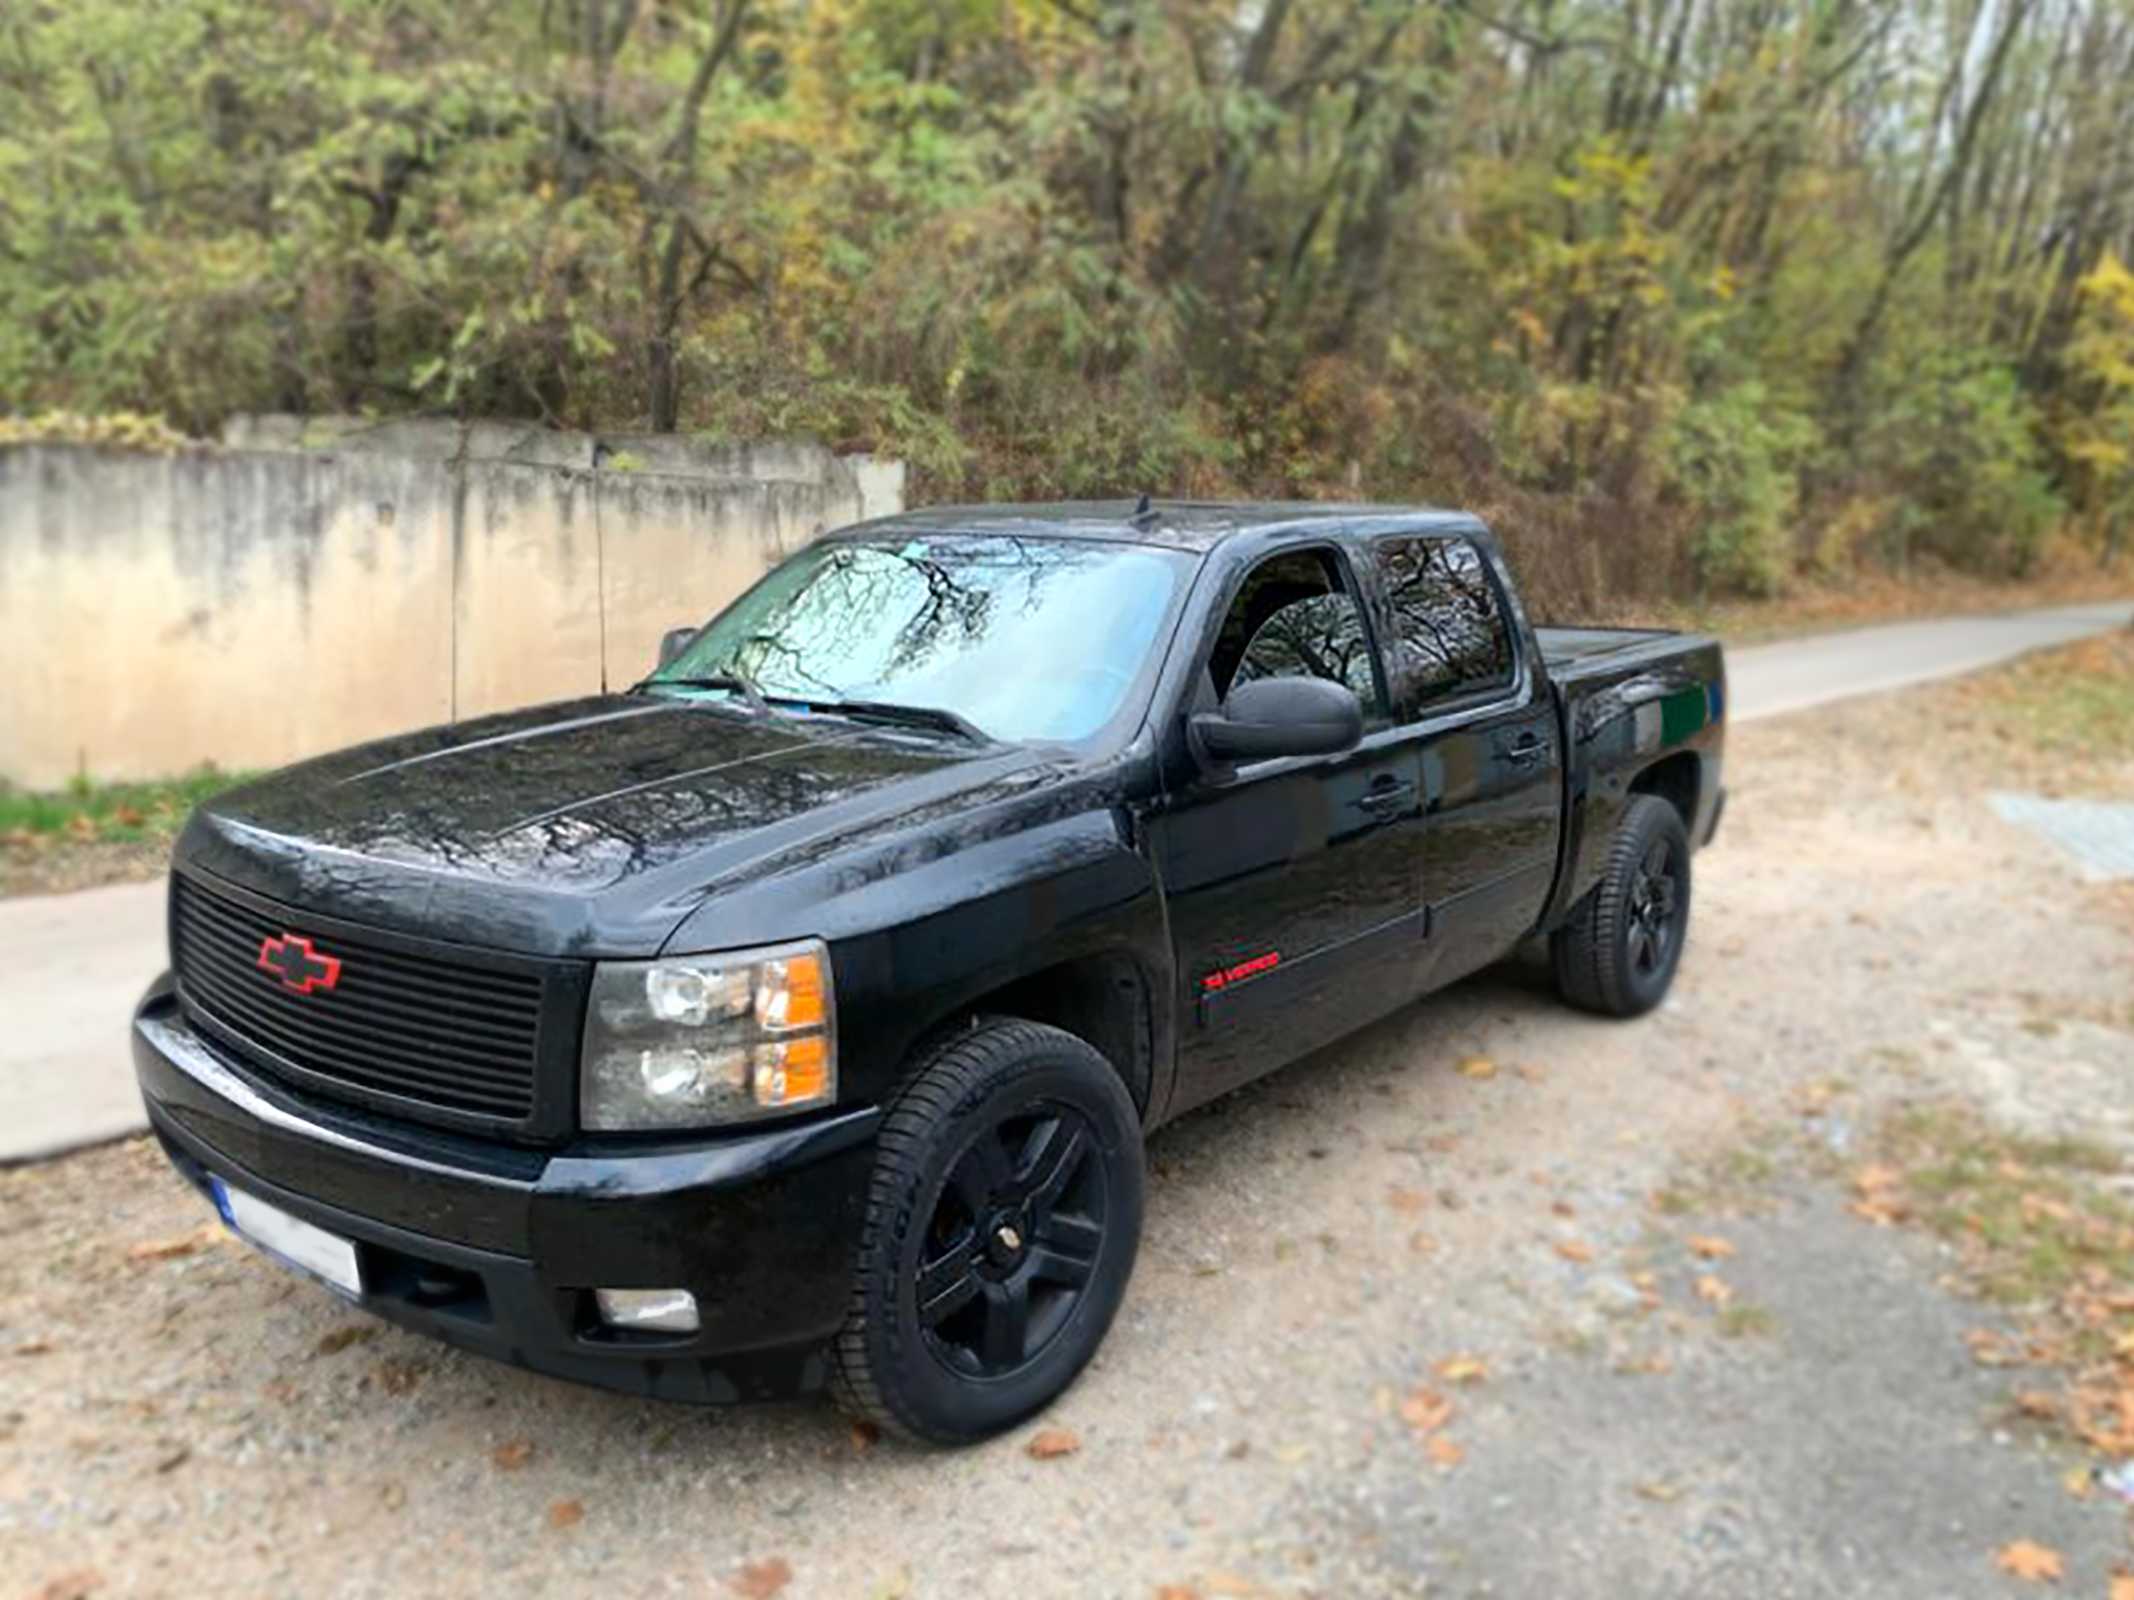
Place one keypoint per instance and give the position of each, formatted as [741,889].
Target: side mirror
[673,642]
[1280,717]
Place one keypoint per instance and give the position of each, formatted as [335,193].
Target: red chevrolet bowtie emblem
[291,958]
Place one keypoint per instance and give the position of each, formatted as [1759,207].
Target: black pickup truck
[796,1018]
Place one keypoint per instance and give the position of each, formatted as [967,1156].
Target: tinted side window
[1294,619]
[1450,633]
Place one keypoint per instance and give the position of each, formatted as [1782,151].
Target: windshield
[1024,638]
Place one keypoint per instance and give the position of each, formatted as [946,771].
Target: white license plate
[291,1240]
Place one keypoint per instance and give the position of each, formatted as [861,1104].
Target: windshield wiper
[939,719]
[732,682]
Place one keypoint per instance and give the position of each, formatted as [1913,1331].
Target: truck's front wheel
[1617,952]
[1002,1221]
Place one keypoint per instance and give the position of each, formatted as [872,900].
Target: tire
[1008,1172]
[1617,951]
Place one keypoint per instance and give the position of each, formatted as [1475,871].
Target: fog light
[659,1310]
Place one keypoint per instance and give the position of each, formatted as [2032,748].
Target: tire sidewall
[1655,822]
[933,1400]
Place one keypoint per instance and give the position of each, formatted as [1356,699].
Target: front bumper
[497,1249]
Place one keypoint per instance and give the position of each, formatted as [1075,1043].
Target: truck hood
[588,827]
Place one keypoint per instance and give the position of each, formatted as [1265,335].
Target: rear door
[1294,887]
[1481,718]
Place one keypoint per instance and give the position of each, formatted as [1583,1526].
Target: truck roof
[1197,525]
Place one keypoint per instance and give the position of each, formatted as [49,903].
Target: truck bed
[1575,653]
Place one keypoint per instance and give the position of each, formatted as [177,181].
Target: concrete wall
[309,585]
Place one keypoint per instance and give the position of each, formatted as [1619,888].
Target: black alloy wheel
[1617,950]
[1012,1242]
[1002,1221]
[1652,930]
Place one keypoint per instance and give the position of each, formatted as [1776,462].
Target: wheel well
[1103,1000]
[1678,779]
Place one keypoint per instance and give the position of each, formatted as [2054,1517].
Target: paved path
[72,965]
[1768,680]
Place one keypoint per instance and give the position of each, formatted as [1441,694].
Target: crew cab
[797,1017]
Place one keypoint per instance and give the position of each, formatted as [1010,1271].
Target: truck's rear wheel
[1617,952]
[1002,1222]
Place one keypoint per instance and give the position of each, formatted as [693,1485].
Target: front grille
[408,1027]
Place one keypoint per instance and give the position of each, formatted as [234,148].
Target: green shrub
[1956,438]
[1732,460]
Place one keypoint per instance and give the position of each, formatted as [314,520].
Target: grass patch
[86,811]
[1745,1322]
[2076,701]
[1739,1178]
[2037,1229]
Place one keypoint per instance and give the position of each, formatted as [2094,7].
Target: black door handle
[1387,798]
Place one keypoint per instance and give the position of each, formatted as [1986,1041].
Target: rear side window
[1451,637]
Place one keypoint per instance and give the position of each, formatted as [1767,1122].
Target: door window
[1451,636]
[1295,618]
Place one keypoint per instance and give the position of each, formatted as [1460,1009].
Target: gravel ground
[1867,932]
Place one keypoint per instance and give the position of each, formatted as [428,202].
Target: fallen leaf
[174,1458]
[759,1580]
[1989,1349]
[2033,1563]
[512,1454]
[392,1496]
[1654,1366]
[1408,1200]
[1708,1247]
[1462,1369]
[1871,1180]
[1882,1213]
[33,1347]
[2079,1484]
[398,1377]
[1564,1208]
[183,1244]
[1421,1243]
[566,1513]
[1572,1250]
[1443,1453]
[1426,1411]
[1713,1290]
[2122,1586]
[2034,1403]
[1177,1591]
[71,1585]
[865,1436]
[1049,1443]
[1231,1584]
[339,1339]
[1655,1489]
[1478,1067]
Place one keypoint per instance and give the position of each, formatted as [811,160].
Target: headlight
[705,1039]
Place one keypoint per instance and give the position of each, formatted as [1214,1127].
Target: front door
[1295,886]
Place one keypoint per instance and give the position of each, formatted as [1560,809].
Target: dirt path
[1867,933]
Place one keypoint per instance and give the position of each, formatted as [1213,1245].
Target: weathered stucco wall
[277,597]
